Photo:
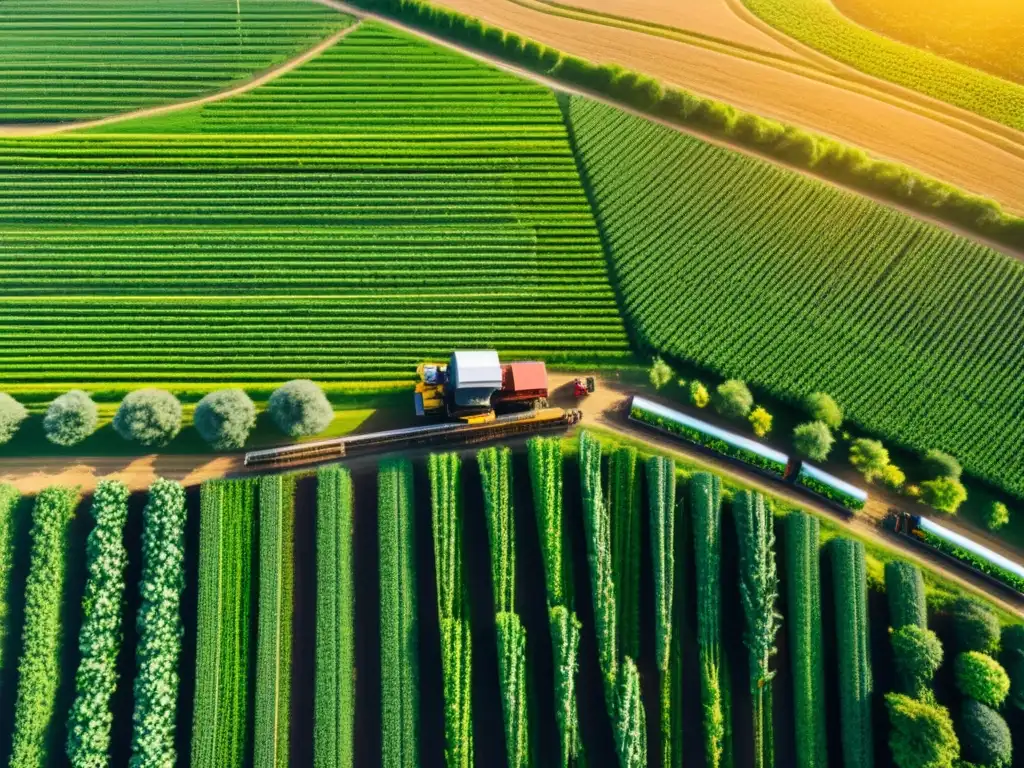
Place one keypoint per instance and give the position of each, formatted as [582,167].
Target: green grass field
[376,207]
[84,59]
[819,24]
[756,272]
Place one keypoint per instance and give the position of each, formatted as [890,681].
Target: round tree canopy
[224,418]
[12,413]
[71,418]
[149,417]
[299,407]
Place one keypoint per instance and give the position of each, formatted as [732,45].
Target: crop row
[662,509]
[904,588]
[335,702]
[226,539]
[853,651]
[9,500]
[912,328]
[399,658]
[99,61]
[99,639]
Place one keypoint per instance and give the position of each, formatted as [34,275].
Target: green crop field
[84,59]
[760,273]
[377,206]
[819,24]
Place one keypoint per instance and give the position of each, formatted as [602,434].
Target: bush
[975,627]
[300,408]
[904,590]
[998,516]
[893,477]
[699,394]
[813,440]
[821,407]
[660,373]
[733,399]
[71,418]
[917,655]
[150,417]
[983,678]
[938,464]
[984,736]
[922,734]
[869,457]
[12,413]
[945,494]
[1013,662]
[761,421]
[224,418]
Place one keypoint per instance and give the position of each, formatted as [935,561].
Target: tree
[983,678]
[733,399]
[12,413]
[761,421]
[984,736]
[299,407]
[938,464]
[922,733]
[70,418]
[150,417]
[975,627]
[822,407]
[998,515]
[869,457]
[699,394]
[893,477]
[917,654]
[224,418]
[945,494]
[813,440]
[660,373]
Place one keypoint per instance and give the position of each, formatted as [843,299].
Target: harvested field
[892,132]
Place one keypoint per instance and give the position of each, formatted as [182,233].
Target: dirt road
[604,409]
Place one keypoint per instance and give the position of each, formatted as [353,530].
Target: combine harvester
[481,398]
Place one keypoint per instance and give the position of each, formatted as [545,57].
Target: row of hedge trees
[153,417]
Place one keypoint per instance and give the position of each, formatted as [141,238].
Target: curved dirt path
[892,132]
[248,85]
[603,409]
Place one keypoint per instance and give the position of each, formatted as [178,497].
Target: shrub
[761,421]
[945,494]
[699,394]
[299,407]
[983,678]
[12,413]
[998,516]
[917,656]
[660,373]
[821,407]
[813,440]
[71,418]
[733,399]
[975,627]
[150,417]
[1013,662]
[904,588]
[224,418]
[869,457]
[984,736]
[893,477]
[922,734]
[938,464]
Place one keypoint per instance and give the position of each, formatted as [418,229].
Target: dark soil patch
[303,662]
[366,562]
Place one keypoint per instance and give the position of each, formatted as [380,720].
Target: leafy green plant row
[832,494]
[39,667]
[398,617]
[335,703]
[274,631]
[99,639]
[1011,580]
[226,539]
[623,509]
[803,576]
[904,590]
[9,499]
[662,510]
[452,607]
[159,627]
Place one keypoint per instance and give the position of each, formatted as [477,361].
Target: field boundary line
[12,131]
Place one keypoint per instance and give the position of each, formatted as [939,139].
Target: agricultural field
[86,59]
[303,619]
[387,195]
[759,273]
[820,25]
[989,37]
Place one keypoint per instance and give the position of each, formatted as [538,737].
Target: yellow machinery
[432,378]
